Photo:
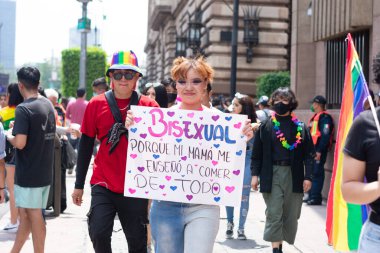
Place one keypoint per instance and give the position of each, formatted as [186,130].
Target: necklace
[122,109]
[280,135]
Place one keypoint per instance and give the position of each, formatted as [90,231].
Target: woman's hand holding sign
[247,129]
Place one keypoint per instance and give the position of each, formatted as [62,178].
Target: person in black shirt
[33,137]
[283,158]
[361,159]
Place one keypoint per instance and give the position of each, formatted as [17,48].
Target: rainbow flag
[344,220]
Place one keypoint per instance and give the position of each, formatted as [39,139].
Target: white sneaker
[230,230]
[241,235]
[11,227]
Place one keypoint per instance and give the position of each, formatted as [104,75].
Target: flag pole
[373,110]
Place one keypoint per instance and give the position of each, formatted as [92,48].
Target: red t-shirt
[109,169]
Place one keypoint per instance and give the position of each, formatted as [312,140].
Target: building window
[336,63]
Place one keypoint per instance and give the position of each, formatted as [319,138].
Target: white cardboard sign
[186,156]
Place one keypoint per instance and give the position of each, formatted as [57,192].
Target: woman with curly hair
[283,157]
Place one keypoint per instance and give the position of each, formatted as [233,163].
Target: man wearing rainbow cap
[107,181]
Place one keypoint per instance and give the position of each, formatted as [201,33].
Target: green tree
[96,67]
[269,82]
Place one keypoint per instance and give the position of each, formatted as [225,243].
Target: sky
[42,26]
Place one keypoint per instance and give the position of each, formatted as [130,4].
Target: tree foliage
[96,67]
[269,82]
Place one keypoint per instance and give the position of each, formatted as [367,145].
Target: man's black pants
[132,213]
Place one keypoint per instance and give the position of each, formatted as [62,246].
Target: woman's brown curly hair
[284,93]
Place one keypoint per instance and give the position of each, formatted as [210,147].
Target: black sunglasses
[127,76]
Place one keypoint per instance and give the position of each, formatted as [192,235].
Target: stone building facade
[169,22]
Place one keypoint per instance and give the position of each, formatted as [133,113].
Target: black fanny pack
[118,129]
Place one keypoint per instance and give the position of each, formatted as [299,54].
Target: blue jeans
[244,206]
[318,178]
[183,228]
[370,238]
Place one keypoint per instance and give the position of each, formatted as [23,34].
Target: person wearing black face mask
[283,157]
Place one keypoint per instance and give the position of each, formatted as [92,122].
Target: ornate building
[189,27]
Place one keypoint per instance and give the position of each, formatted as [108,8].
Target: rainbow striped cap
[124,60]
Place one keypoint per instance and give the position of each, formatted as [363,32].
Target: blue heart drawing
[133,130]
[216,199]
[129,171]
[173,188]
[228,118]
[239,152]
[178,140]
[156,156]
[216,145]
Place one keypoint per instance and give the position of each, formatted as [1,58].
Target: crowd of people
[284,159]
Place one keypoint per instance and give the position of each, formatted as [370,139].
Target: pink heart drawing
[162,186]
[131,191]
[141,169]
[133,156]
[146,192]
[214,162]
[230,188]
[237,125]
[164,194]
[215,117]
[189,197]
[171,114]
[168,178]
[236,172]
[201,118]
[184,158]
[215,188]
[137,119]
[143,136]
[190,115]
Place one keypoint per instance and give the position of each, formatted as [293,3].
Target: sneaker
[70,171]
[230,230]
[241,235]
[11,227]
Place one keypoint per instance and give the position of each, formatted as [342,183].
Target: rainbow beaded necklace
[280,135]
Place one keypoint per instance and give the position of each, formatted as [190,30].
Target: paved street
[68,232]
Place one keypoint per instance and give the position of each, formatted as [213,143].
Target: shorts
[31,197]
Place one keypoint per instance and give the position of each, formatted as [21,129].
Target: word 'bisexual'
[188,129]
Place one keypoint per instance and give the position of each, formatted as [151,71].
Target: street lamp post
[84,26]
[234,48]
